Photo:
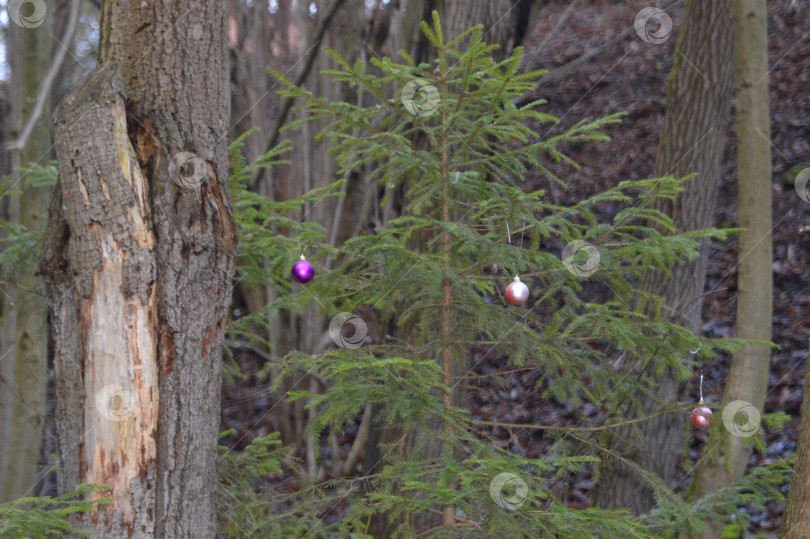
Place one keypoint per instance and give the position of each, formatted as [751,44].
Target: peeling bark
[101,288]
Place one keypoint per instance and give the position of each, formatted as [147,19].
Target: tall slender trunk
[6,368]
[8,318]
[725,457]
[138,261]
[505,24]
[25,324]
[449,518]
[692,140]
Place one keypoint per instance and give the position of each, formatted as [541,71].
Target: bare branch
[45,88]
[359,441]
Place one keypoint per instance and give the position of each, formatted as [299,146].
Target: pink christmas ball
[699,419]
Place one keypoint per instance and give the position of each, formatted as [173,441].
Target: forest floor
[631,76]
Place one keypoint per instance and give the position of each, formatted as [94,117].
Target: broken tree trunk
[137,267]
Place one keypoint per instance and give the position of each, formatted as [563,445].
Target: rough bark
[26,322]
[725,457]
[692,140]
[137,269]
[796,518]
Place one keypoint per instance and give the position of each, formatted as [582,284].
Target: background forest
[559,252]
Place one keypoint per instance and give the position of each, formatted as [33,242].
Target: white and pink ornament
[700,415]
[517,293]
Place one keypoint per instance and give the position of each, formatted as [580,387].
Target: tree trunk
[252,97]
[137,266]
[748,376]
[796,518]
[504,23]
[692,140]
[12,126]
[25,324]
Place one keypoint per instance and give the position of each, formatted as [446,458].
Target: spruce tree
[462,186]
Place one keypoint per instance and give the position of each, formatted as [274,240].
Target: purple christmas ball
[302,271]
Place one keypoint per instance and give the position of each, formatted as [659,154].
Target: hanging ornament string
[517,293]
[700,367]
[509,239]
[520,252]
[700,414]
